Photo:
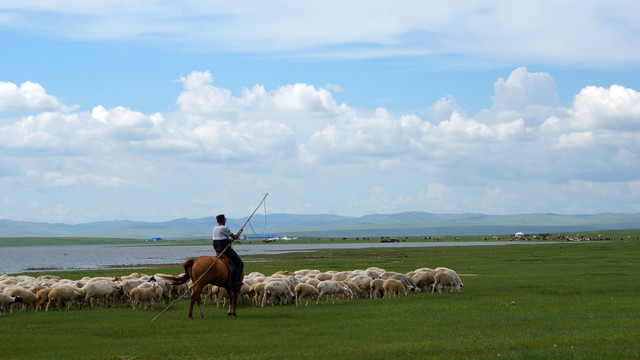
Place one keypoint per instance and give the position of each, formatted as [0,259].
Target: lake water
[80,257]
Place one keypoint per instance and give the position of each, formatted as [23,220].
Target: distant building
[261,237]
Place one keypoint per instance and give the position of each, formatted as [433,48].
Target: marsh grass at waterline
[561,301]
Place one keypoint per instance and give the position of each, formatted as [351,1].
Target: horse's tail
[179,280]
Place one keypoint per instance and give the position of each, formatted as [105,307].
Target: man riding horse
[222,239]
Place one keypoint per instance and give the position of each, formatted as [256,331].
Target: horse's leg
[233,301]
[196,297]
[190,313]
[200,308]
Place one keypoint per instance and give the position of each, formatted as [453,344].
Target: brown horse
[218,275]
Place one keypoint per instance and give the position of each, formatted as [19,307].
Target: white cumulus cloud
[523,89]
[297,136]
[29,96]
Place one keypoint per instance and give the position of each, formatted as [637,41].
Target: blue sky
[150,110]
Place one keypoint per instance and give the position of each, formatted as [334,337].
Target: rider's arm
[236,236]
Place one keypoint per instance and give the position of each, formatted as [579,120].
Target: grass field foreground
[550,301]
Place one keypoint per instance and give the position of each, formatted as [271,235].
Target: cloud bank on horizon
[215,149]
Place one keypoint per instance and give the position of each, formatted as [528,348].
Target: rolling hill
[399,224]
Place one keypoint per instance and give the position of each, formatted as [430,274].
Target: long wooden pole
[254,211]
[210,266]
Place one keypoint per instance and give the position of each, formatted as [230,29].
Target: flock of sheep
[49,292]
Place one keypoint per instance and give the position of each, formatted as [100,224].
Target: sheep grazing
[376,288]
[393,288]
[105,291]
[127,285]
[307,272]
[243,295]
[145,295]
[356,293]
[6,301]
[453,273]
[28,298]
[42,297]
[341,276]
[363,282]
[443,279]
[304,290]
[333,289]
[277,290]
[221,294]
[176,290]
[424,279]
[48,292]
[207,293]
[67,295]
[406,280]
[313,281]
[449,279]
[324,276]
[256,292]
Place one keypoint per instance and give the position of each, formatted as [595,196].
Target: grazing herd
[47,292]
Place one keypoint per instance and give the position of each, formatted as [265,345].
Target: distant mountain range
[400,224]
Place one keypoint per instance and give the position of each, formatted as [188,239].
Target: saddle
[230,266]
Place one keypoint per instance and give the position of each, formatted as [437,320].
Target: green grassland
[549,301]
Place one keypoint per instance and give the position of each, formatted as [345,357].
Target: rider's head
[221,219]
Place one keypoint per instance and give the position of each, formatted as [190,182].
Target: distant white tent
[519,234]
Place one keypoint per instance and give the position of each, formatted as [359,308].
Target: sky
[157,110]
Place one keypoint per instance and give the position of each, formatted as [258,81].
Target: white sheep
[66,282]
[304,290]
[373,272]
[254,275]
[106,291]
[424,279]
[6,301]
[406,280]
[313,281]
[243,295]
[324,276]
[28,298]
[145,295]
[442,279]
[393,288]
[127,285]
[221,294]
[363,282]
[341,276]
[375,288]
[277,289]
[176,290]
[99,278]
[452,273]
[332,288]
[356,293]
[256,293]
[307,272]
[42,297]
[68,295]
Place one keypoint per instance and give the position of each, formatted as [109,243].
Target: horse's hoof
[229,314]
